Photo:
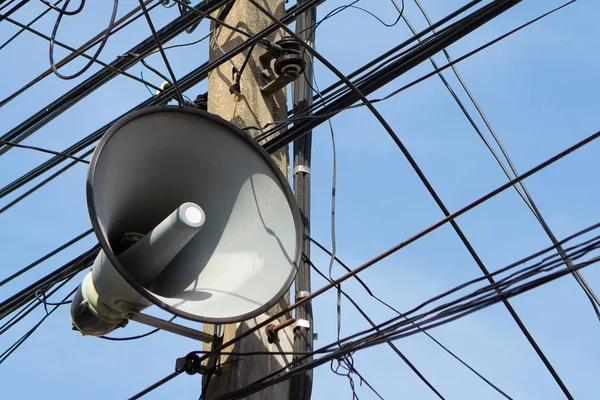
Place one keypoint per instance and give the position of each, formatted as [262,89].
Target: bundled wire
[379,258]
[515,281]
[200,74]
[71,268]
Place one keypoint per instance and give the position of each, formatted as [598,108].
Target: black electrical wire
[412,57]
[220,21]
[23,312]
[100,135]
[42,150]
[370,321]
[91,58]
[33,21]
[84,260]
[401,45]
[423,233]
[156,385]
[123,22]
[370,292]
[546,265]
[13,10]
[521,188]
[323,116]
[485,14]
[347,363]
[7,3]
[63,275]
[40,297]
[155,71]
[376,338]
[188,81]
[266,31]
[51,111]
[22,340]
[400,11]
[63,11]
[63,103]
[39,185]
[46,257]
[437,225]
[95,136]
[53,161]
[333,257]
[100,46]
[74,266]
[162,53]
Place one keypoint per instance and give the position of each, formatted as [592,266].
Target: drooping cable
[100,46]
[445,313]
[92,60]
[521,188]
[425,232]
[370,321]
[370,292]
[162,53]
[92,83]
[120,24]
[485,14]
[43,150]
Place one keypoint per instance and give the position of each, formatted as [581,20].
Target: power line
[194,77]
[76,265]
[418,236]
[521,188]
[101,77]
[91,58]
[448,312]
[103,42]
[370,321]
[370,292]
[123,22]
[33,21]
[185,83]
[453,33]
[46,257]
[43,150]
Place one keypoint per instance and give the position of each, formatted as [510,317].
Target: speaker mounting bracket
[169,326]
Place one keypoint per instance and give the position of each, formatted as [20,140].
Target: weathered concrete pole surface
[249,107]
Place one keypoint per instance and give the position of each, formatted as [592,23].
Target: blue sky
[538,88]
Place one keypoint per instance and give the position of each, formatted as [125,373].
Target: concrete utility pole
[249,107]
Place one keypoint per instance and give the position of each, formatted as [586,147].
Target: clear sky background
[539,88]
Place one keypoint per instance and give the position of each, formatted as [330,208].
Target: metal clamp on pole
[302,295]
[169,326]
[302,168]
[301,323]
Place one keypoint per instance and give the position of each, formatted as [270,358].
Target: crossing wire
[521,188]
[463,27]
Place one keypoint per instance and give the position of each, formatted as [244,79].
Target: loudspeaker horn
[192,216]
